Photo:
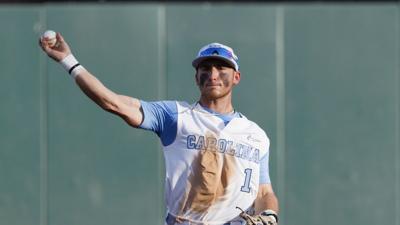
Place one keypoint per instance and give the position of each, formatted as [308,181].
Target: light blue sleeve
[264,169]
[161,118]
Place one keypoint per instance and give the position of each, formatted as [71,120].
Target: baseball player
[216,159]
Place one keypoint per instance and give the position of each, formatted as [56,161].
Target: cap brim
[199,60]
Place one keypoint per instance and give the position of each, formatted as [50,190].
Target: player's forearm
[96,91]
[126,107]
[266,199]
[265,202]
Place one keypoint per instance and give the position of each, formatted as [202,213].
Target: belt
[171,220]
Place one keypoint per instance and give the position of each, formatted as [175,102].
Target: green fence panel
[20,116]
[342,99]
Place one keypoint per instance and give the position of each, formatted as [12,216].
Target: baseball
[50,37]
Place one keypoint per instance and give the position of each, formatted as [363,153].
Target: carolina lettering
[246,152]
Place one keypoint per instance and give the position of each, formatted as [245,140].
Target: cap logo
[215,52]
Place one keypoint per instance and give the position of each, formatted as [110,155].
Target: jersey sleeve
[161,118]
[264,169]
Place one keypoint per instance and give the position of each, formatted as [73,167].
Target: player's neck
[222,105]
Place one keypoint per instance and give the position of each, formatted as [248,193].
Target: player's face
[216,78]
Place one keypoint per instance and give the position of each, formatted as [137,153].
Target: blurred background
[322,78]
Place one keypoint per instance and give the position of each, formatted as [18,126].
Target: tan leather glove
[267,217]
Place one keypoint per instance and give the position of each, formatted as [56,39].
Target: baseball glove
[267,217]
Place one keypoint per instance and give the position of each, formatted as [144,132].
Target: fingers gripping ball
[50,38]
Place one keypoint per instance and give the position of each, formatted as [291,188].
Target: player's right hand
[59,51]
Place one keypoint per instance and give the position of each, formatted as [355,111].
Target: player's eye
[219,67]
[224,68]
[204,68]
[204,75]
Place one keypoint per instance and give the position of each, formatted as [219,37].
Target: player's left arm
[266,199]
[266,202]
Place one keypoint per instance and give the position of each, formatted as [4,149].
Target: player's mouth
[213,85]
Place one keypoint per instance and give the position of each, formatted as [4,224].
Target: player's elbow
[130,115]
[109,102]
[109,106]
[265,190]
[113,108]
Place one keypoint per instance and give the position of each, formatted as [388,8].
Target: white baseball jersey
[212,168]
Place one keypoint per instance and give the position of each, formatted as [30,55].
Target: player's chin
[213,94]
[213,88]
[210,90]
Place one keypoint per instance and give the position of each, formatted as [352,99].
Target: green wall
[322,80]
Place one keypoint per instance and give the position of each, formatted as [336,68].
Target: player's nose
[214,73]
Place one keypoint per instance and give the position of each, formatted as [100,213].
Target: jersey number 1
[246,185]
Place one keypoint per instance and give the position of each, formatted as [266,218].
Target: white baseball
[50,37]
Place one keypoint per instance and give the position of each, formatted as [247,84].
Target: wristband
[71,65]
[272,213]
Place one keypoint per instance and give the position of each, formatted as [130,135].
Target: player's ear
[236,77]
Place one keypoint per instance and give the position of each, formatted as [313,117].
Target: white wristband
[71,65]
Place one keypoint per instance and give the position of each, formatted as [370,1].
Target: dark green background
[322,80]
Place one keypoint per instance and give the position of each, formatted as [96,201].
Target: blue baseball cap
[217,51]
